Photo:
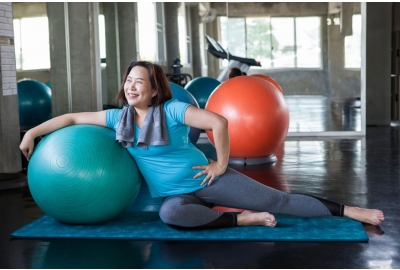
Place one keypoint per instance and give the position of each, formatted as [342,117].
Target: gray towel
[154,129]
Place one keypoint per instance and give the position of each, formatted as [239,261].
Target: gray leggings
[236,190]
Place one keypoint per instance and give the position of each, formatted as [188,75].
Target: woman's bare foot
[370,216]
[248,218]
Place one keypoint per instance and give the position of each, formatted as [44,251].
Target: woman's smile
[131,95]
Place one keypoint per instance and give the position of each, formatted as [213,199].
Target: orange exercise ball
[269,79]
[258,117]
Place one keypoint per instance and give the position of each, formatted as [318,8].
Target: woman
[154,129]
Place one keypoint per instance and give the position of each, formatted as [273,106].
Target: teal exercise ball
[201,88]
[179,93]
[80,174]
[34,103]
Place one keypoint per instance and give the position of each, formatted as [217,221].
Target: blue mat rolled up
[148,226]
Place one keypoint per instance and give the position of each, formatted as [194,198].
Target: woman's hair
[234,72]
[158,81]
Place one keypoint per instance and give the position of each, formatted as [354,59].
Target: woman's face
[138,91]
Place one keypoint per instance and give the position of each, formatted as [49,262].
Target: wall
[10,156]
[378,63]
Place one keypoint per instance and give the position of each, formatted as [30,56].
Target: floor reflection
[319,114]
[81,253]
[269,174]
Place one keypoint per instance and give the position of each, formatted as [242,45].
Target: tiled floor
[363,172]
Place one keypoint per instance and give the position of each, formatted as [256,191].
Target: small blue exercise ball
[34,103]
[179,93]
[201,88]
[80,174]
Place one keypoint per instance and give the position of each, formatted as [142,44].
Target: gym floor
[354,171]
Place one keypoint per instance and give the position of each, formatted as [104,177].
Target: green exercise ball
[201,88]
[34,103]
[182,95]
[80,174]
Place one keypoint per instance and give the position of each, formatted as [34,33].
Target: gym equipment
[258,118]
[242,63]
[269,79]
[177,77]
[34,103]
[80,174]
[201,88]
[179,93]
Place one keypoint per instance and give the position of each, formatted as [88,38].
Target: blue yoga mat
[148,226]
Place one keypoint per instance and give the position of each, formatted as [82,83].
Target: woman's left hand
[212,170]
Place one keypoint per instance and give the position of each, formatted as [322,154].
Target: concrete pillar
[212,61]
[344,84]
[127,25]
[10,156]
[346,19]
[121,44]
[58,58]
[196,54]
[171,32]
[336,62]
[378,16]
[75,57]
[113,69]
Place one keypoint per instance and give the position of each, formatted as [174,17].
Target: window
[283,42]
[308,42]
[352,45]
[184,34]
[147,31]
[233,37]
[276,42]
[151,32]
[31,40]
[259,40]
[102,37]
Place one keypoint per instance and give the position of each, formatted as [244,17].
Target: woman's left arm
[207,120]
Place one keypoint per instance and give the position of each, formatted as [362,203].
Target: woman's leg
[189,212]
[236,190]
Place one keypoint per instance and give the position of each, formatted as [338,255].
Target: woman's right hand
[27,145]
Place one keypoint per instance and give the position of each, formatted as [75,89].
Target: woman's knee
[168,210]
[173,208]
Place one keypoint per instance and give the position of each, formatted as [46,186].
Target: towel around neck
[153,132]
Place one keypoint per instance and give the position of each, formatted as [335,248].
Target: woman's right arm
[93,118]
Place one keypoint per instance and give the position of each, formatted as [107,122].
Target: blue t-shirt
[167,169]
